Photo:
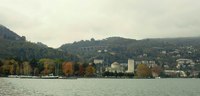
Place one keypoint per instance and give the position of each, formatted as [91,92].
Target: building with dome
[115,67]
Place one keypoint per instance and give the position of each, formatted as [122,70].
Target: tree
[76,68]
[9,67]
[92,39]
[36,71]
[156,71]
[27,69]
[12,69]
[34,63]
[90,70]
[1,63]
[67,68]
[49,66]
[13,64]
[5,69]
[106,73]
[129,75]
[81,70]
[198,75]
[58,65]
[143,71]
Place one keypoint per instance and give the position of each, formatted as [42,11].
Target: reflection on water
[100,87]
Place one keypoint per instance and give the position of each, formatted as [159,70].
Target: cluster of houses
[184,63]
[130,67]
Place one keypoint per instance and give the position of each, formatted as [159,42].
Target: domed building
[115,67]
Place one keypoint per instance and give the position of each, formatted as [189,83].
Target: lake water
[99,87]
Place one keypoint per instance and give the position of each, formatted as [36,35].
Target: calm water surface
[99,87]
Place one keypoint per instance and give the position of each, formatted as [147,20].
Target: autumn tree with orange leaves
[67,68]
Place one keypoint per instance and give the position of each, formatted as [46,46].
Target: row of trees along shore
[45,67]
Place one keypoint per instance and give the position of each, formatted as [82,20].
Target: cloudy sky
[55,22]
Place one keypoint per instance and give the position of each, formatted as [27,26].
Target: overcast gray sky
[55,22]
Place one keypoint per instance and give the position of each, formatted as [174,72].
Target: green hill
[120,49]
[15,46]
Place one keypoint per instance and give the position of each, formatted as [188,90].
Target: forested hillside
[15,46]
[165,50]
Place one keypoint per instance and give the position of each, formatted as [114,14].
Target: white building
[125,65]
[183,63]
[148,63]
[98,61]
[115,67]
[130,66]
[99,65]
[175,73]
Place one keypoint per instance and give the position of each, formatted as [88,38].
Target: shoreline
[57,77]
